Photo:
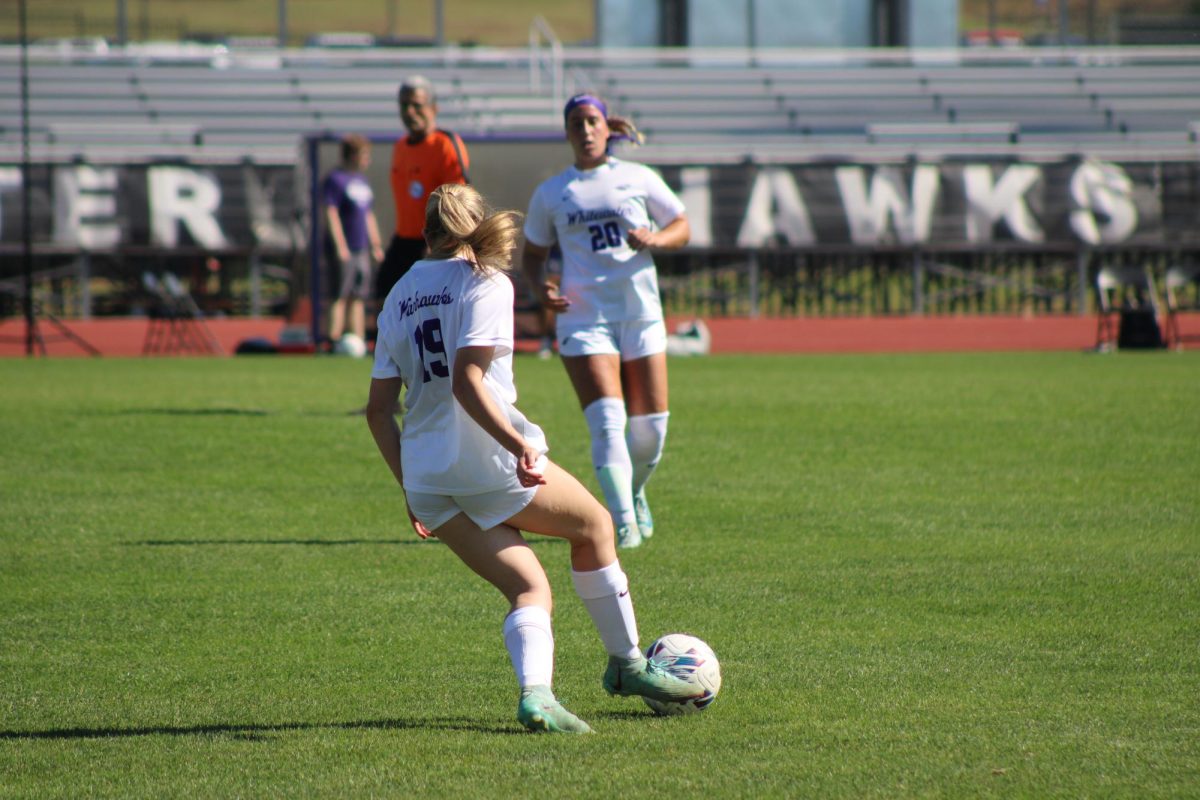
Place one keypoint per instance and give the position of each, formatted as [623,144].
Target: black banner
[105,207]
[959,204]
[979,203]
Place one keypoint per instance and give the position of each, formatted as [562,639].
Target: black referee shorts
[401,254]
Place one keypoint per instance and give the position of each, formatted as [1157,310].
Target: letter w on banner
[885,212]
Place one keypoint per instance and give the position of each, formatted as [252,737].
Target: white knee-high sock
[610,456]
[530,643]
[605,594]
[646,436]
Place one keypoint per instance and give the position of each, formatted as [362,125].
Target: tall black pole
[283,24]
[26,184]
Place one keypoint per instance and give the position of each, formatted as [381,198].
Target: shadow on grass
[533,539]
[191,412]
[642,712]
[305,542]
[262,732]
[223,412]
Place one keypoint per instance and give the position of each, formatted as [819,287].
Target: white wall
[627,23]
[933,23]
[776,23]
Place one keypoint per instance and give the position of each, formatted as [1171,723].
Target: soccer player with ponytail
[608,215]
[474,468]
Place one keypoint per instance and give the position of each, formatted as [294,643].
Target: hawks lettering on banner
[973,204]
[978,203]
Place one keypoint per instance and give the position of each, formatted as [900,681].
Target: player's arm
[373,236]
[675,235]
[381,419]
[470,365]
[533,263]
[334,221]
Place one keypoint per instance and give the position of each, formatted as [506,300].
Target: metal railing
[898,282]
[546,58]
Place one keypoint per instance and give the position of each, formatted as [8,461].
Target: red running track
[124,336]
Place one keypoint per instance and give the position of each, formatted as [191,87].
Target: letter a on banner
[776,210]
[179,195]
[696,194]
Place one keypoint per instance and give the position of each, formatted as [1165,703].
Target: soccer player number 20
[604,237]
[429,346]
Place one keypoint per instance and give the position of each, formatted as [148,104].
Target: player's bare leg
[563,507]
[502,557]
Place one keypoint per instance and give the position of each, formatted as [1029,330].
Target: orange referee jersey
[419,168]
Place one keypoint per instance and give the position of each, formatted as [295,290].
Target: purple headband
[584,100]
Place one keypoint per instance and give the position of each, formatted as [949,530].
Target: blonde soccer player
[474,469]
[607,215]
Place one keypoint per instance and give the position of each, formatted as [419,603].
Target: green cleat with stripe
[641,677]
[538,711]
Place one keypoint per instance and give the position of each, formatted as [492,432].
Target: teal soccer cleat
[641,677]
[641,509]
[628,537]
[538,711]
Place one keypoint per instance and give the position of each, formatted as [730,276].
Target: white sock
[646,437]
[605,595]
[610,456]
[530,643]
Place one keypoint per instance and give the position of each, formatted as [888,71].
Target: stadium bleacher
[1122,103]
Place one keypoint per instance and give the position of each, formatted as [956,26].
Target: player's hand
[343,254]
[418,526]
[528,473]
[640,238]
[552,300]
[377,254]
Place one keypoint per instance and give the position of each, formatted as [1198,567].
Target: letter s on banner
[179,195]
[1104,189]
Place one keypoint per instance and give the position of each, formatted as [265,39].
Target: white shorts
[630,340]
[487,510]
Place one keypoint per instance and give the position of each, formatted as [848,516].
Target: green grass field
[935,576]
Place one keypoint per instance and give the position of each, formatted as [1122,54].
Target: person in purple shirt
[352,237]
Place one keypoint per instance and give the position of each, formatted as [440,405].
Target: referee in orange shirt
[422,161]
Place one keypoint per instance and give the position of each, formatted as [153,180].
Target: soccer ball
[692,660]
[350,345]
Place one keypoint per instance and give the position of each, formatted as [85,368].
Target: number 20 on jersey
[605,237]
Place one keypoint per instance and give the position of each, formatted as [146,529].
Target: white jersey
[588,213]
[438,307]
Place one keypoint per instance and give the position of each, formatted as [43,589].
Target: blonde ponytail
[623,130]
[458,219]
